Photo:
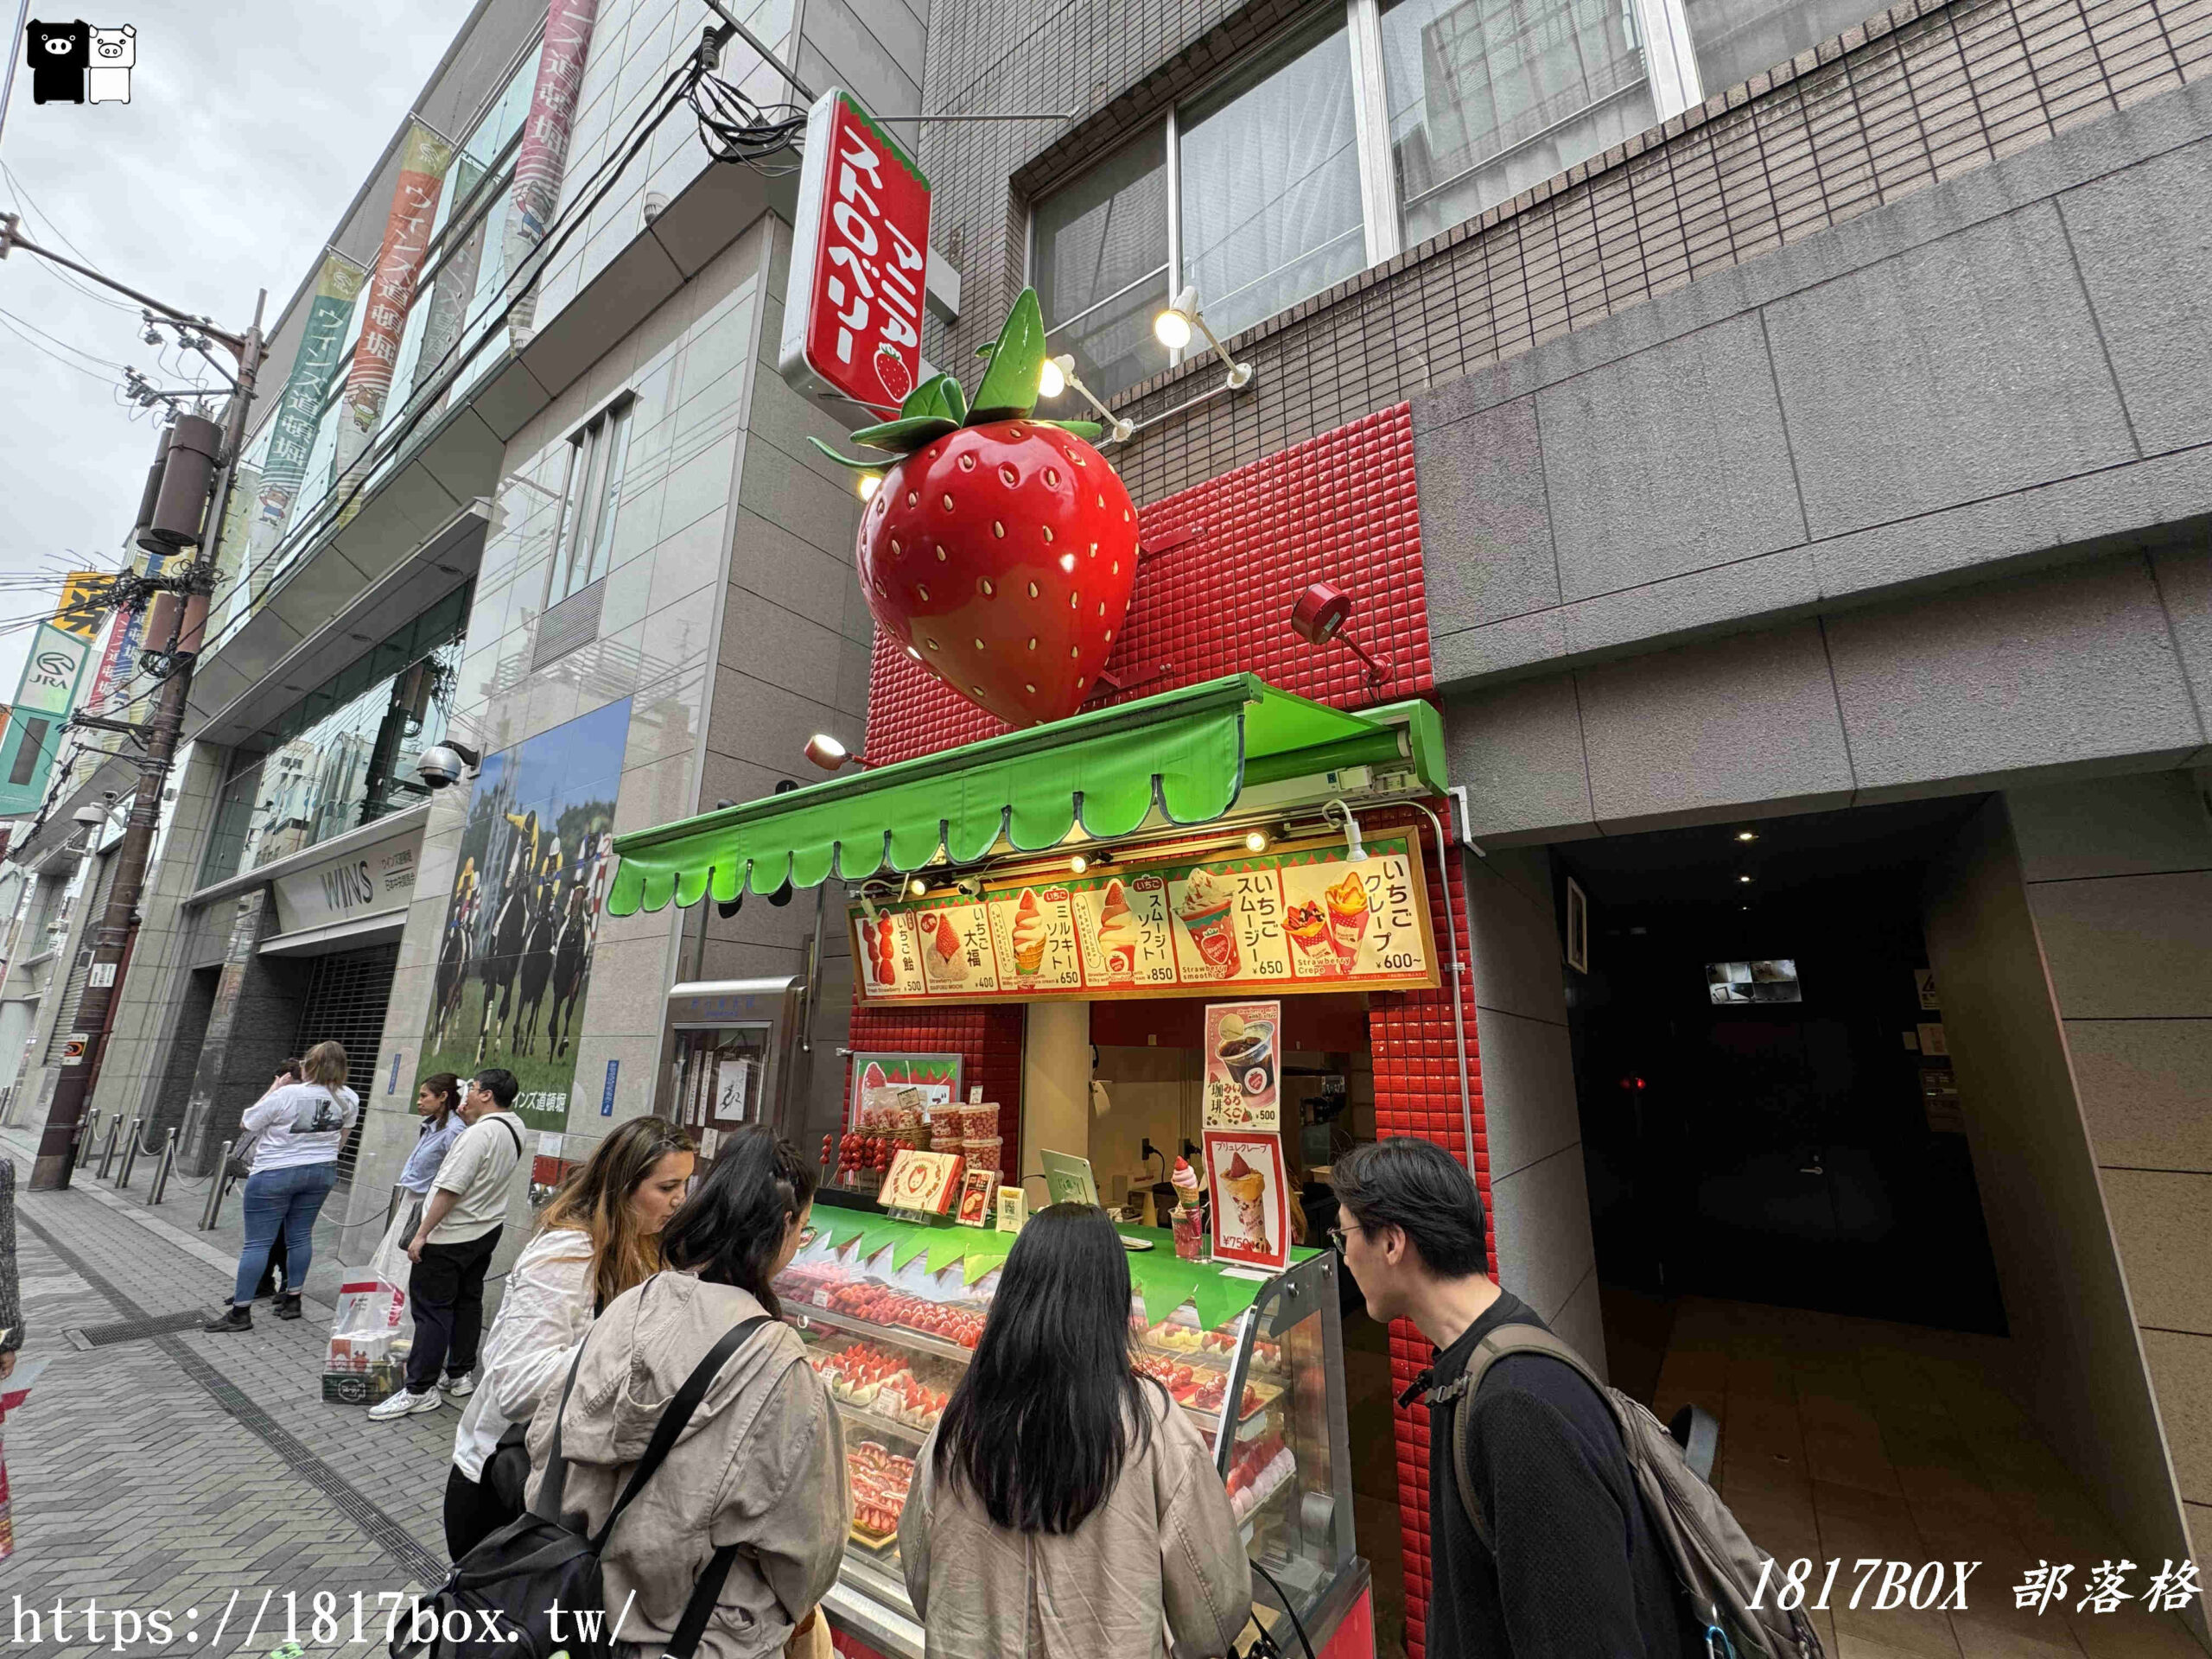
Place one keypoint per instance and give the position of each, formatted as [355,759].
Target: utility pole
[158,738]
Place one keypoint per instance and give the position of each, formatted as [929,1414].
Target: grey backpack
[1718,1568]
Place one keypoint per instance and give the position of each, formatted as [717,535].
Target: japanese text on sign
[859,261]
[1302,918]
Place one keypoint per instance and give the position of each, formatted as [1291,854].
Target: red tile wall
[1417,1092]
[1340,507]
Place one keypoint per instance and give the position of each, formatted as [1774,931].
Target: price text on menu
[1301,916]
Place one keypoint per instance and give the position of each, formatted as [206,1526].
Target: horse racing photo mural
[514,956]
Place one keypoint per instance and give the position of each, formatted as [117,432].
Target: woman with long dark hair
[762,1464]
[1063,1504]
[596,1238]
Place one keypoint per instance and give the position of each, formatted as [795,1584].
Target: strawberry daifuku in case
[1001,550]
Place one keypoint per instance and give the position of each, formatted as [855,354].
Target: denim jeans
[287,1201]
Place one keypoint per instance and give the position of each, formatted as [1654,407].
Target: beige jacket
[762,1464]
[1164,1548]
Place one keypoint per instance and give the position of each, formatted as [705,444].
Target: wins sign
[859,262]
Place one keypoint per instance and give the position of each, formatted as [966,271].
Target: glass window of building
[1738,39]
[590,496]
[1385,124]
[1488,98]
[1270,195]
[1099,262]
[343,755]
[1266,166]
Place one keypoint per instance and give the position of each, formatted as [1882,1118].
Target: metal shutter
[346,994]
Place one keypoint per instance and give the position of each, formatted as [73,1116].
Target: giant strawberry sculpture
[1000,549]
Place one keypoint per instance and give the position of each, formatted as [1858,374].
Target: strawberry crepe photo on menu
[1251,1207]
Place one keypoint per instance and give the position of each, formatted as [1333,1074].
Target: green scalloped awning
[1190,753]
[1162,1280]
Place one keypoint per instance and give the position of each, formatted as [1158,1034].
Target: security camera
[447,763]
[90,816]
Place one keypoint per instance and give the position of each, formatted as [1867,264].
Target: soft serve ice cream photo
[1119,936]
[1031,932]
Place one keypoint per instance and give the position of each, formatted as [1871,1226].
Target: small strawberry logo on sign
[999,550]
[892,375]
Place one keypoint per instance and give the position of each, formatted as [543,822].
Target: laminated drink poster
[1251,1205]
[1244,1087]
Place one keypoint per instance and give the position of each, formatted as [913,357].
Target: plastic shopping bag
[365,1326]
[389,1261]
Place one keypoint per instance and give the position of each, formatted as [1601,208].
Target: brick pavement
[165,1473]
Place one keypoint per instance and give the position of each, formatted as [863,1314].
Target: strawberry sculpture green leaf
[999,550]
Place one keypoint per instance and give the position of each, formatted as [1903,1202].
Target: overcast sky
[249,127]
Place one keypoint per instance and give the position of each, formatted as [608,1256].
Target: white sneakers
[404,1404]
[460,1387]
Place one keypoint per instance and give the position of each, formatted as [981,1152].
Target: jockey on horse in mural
[453,953]
[509,928]
[535,967]
[571,955]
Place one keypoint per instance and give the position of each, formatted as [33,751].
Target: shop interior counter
[891,1310]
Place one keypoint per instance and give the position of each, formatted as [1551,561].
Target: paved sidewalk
[163,1473]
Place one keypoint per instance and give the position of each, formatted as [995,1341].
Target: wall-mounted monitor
[1767,980]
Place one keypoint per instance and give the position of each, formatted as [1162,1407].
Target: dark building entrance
[1762,1120]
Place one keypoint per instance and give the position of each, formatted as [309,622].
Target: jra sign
[859,262]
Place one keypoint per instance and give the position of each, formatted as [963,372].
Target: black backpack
[499,1601]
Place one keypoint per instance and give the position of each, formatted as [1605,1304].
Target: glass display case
[892,1312]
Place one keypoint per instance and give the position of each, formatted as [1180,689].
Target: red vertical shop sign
[859,261]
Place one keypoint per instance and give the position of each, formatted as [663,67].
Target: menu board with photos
[1301,916]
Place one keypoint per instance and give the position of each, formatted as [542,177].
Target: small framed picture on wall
[1578,927]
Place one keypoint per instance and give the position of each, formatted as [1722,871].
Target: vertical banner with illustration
[514,956]
[423,158]
[542,158]
[298,409]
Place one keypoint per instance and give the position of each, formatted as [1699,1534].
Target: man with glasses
[1572,1565]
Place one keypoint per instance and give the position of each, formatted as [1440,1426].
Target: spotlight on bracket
[1173,328]
[827,752]
[1319,618]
